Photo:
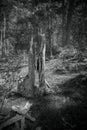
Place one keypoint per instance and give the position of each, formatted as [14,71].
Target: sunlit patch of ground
[67,108]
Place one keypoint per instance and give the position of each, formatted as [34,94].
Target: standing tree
[67,12]
[5,9]
[42,51]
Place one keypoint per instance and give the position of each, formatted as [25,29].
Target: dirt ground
[66,108]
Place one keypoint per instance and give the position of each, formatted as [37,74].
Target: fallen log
[29,117]
[23,110]
[10,121]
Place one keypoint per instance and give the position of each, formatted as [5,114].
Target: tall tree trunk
[4,46]
[42,84]
[8,46]
[63,23]
[42,67]
[67,8]
[50,44]
[50,31]
[50,34]
[31,66]
[1,44]
[69,12]
[26,88]
[68,30]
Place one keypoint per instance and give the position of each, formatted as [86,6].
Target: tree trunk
[50,34]
[42,67]
[63,23]
[69,12]
[31,66]
[1,44]
[67,8]
[42,84]
[4,45]
[8,46]
[68,29]
[50,43]
[26,88]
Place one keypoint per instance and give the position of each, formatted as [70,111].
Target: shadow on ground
[64,110]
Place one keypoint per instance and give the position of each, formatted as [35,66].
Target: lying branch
[47,84]
[10,121]
[49,88]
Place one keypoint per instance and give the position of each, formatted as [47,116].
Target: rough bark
[1,44]
[42,66]
[51,55]
[69,12]
[42,84]
[26,88]
[31,73]
[50,34]
[67,9]
[50,44]
[4,44]
[63,23]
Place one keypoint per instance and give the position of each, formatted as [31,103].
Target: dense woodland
[43,64]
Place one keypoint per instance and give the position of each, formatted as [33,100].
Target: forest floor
[66,108]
